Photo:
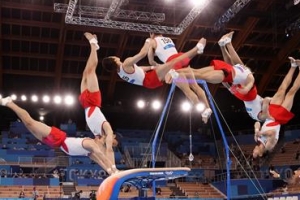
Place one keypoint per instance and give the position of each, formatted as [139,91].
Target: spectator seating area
[14,191]
[189,189]
[290,189]
[195,189]
[133,192]
[289,154]
[136,143]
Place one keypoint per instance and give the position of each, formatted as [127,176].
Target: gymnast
[151,76]
[279,111]
[54,137]
[236,77]
[295,179]
[164,48]
[90,99]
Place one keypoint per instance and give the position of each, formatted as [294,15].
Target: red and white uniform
[250,96]
[136,78]
[269,124]
[166,51]
[254,107]
[69,145]
[55,138]
[73,147]
[139,77]
[280,114]
[241,74]
[165,48]
[91,102]
[225,67]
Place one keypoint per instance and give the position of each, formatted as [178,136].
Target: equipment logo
[156,173]
[169,173]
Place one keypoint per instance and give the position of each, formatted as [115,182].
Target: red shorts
[151,80]
[88,99]
[250,96]
[56,137]
[180,64]
[225,67]
[280,114]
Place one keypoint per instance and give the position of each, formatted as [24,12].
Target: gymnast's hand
[274,174]
[242,90]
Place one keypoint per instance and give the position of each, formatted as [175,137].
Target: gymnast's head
[152,33]
[295,178]
[111,63]
[258,151]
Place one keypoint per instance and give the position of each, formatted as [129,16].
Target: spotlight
[23,98]
[34,98]
[156,105]
[46,99]
[198,2]
[141,104]
[14,97]
[186,106]
[200,107]
[42,118]
[69,100]
[57,99]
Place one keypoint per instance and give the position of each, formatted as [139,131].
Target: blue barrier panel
[41,181]
[186,198]
[284,197]
[6,181]
[16,198]
[73,173]
[29,181]
[245,187]
[54,181]
[44,153]
[6,168]
[89,182]
[22,181]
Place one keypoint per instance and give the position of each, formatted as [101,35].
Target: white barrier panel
[284,198]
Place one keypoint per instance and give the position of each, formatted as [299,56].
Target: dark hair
[281,133]
[109,64]
[153,31]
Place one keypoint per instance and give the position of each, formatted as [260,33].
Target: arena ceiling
[41,53]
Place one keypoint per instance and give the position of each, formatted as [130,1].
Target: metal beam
[121,14]
[105,23]
[60,54]
[114,6]
[230,13]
